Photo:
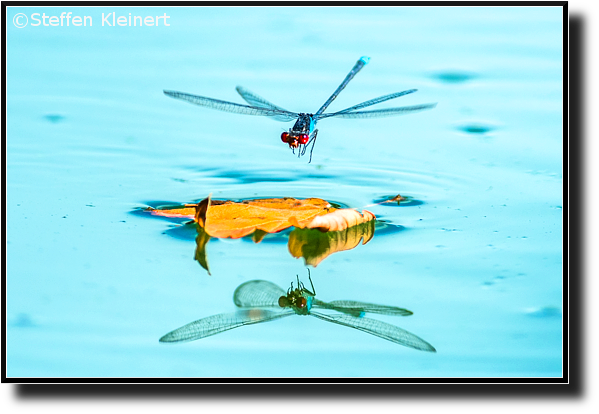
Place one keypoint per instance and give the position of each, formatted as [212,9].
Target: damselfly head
[294,140]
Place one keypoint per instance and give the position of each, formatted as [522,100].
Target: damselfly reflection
[302,134]
[257,294]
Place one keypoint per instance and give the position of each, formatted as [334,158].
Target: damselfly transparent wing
[231,106]
[222,322]
[375,101]
[379,113]
[357,67]
[378,328]
[258,294]
[260,102]
[356,308]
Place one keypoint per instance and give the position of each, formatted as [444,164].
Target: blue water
[92,285]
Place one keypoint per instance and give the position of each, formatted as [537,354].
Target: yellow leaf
[236,220]
[188,210]
[224,219]
[337,220]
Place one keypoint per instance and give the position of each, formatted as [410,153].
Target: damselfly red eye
[285,136]
[301,302]
[304,138]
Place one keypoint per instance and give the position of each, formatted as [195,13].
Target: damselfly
[302,134]
[257,294]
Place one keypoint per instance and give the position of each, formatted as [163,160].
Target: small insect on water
[257,294]
[303,132]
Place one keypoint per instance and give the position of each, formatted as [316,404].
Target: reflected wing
[381,329]
[260,102]
[379,113]
[356,308]
[258,294]
[230,106]
[220,323]
[379,100]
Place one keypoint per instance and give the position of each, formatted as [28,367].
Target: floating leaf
[201,209]
[224,219]
[321,229]
[188,210]
[337,220]
[237,220]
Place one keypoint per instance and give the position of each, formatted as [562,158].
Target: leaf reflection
[200,255]
[311,244]
[315,246]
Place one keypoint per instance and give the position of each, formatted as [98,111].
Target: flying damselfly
[257,294]
[302,134]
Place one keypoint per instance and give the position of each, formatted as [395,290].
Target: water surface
[91,138]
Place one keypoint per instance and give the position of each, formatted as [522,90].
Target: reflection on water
[256,294]
[313,245]
[200,254]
